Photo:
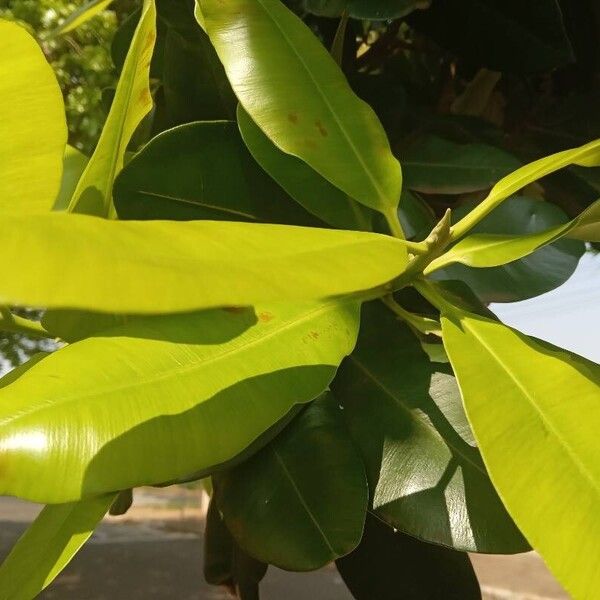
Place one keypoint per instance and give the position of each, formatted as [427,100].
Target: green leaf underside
[298,96]
[537,428]
[301,501]
[493,250]
[33,130]
[48,546]
[132,102]
[437,166]
[389,564]
[302,183]
[174,383]
[168,266]
[202,171]
[426,476]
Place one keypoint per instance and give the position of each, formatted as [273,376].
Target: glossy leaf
[48,546]
[366,9]
[173,383]
[535,274]
[83,14]
[434,165]
[301,501]
[492,250]
[537,428]
[296,93]
[427,478]
[389,565]
[74,164]
[168,266]
[587,155]
[524,40]
[132,102]
[302,183]
[32,127]
[201,171]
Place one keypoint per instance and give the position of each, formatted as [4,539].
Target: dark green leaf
[426,476]
[437,166]
[202,171]
[301,501]
[389,565]
[366,9]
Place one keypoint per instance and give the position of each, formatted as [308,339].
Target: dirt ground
[155,553]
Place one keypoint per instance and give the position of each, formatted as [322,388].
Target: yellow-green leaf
[48,546]
[33,130]
[587,155]
[131,103]
[164,398]
[295,92]
[60,260]
[81,15]
[535,412]
[492,250]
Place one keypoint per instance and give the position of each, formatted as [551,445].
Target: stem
[472,218]
[430,294]
[421,323]
[15,324]
[391,216]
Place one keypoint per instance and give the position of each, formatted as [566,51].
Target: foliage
[257,292]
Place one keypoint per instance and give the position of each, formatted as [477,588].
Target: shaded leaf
[201,171]
[366,9]
[79,422]
[388,565]
[296,93]
[74,164]
[426,476]
[301,501]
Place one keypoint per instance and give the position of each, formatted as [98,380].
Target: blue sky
[568,316]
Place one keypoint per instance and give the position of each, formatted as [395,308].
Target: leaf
[298,96]
[80,16]
[74,164]
[537,428]
[389,565]
[199,388]
[201,171]
[33,129]
[491,250]
[427,478]
[545,269]
[48,546]
[225,563]
[366,9]
[301,501]
[526,38]
[132,102]
[301,182]
[434,165]
[587,155]
[169,266]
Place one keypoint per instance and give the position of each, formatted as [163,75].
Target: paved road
[155,553]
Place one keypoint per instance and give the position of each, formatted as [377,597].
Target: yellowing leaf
[131,103]
[60,260]
[33,130]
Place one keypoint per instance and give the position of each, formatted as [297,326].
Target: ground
[155,553]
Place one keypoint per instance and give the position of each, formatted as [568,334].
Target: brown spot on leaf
[293,118]
[322,130]
[265,317]
[314,335]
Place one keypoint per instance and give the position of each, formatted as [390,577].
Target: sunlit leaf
[33,130]
[83,14]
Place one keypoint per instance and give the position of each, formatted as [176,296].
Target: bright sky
[568,316]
